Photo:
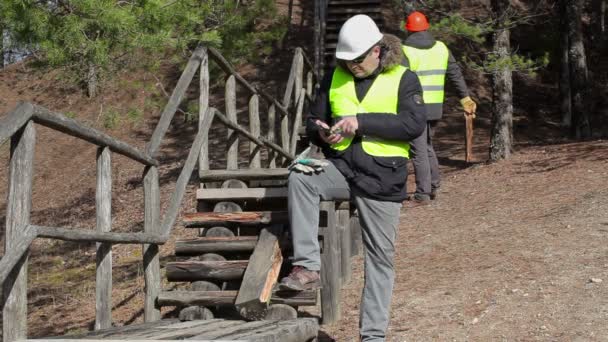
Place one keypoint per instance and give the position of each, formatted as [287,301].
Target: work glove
[306,165]
[470,107]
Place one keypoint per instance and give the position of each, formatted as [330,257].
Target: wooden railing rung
[82,235]
[15,120]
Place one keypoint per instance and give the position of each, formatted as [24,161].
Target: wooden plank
[203,106]
[174,101]
[205,270]
[150,252]
[82,235]
[299,75]
[244,174]
[330,266]
[185,175]
[254,127]
[297,122]
[227,298]
[186,329]
[18,249]
[215,244]
[353,11]
[232,149]
[103,206]
[295,330]
[246,218]
[343,223]
[15,120]
[19,204]
[272,117]
[261,275]
[241,194]
[72,127]
[224,334]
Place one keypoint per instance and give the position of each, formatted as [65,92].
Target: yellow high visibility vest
[430,65]
[382,97]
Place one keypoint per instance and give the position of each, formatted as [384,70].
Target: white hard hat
[357,35]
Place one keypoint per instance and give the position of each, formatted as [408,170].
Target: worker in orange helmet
[431,60]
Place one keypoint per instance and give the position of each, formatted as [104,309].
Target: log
[174,101]
[19,204]
[215,244]
[82,235]
[227,298]
[14,255]
[185,175]
[103,205]
[211,257]
[261,275]
[15,120]
[297,122]
[150,252]
[203,106]
[343,222]
[281,312]
[248,218]
[330,265]
[241,194]
[205,270]
[232,149]
[272,117]
[234,184]
[193,313]
[215,232]
[72,127]
[254,128]
[226,207]
[202,285]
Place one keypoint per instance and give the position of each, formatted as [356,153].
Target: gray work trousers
[379,221]
[426,166]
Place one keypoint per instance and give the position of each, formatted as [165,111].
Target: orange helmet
[416,22]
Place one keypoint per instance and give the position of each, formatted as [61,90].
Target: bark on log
[103,205]
[205,270]
[215,244]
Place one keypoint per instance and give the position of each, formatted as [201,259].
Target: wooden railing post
[272,117]
[150,252]
[203,105]
[14,311]
[233,141]
[254,127]
[103,205]
[297,121]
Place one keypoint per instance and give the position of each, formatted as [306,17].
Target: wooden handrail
[83,235]
[15,120]
[16,252]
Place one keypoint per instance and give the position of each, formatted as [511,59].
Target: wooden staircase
[338,11]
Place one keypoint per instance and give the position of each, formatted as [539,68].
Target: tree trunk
[579,79]
[564,70]
[501,141]
[92,81]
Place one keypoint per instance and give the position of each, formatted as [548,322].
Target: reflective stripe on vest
[382,97]
[430,65]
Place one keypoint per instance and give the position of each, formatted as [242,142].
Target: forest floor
[510,251]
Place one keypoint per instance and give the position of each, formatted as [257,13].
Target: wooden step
[227,298]
[354,2]
[241,194]
[204,245]
[341,18]
[206,270]
[244,218]
[352,11]
[244,174]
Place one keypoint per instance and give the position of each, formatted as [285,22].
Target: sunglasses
[361,58]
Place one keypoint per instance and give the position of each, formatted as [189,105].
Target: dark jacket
[381,178]
[424,40]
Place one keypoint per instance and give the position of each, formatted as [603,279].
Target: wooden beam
[245,218]
[203,106]
[215,244]
[103,206]
[174,101]
[244,174]
[262,273]
[83,235]
[14,255]
[241,194]
[330,266]
[186,174]
[255,160]
[150,252]
[15,120]
[205,270]
[232,148]
[270,136]
[19,204]
[227,298]
[72,127]
[297,122]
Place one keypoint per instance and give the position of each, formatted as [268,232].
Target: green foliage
[102,36]
[453,26]
[70,115]
[135,115]
[191,112]
[513,62]
[111,118]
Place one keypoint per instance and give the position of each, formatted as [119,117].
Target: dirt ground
[511,251]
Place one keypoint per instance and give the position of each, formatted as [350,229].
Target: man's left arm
[455,76]
[410,120]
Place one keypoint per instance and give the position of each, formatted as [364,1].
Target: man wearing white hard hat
[365,112]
